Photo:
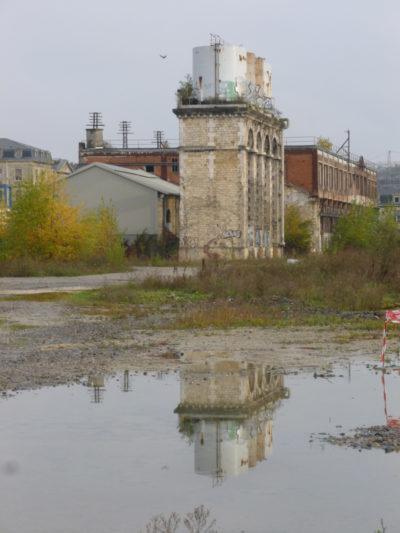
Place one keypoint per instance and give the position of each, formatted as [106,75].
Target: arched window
[250,142]
[274,147]
[267,146]
[259,143]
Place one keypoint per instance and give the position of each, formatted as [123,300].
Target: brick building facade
[163,162]
[333,181]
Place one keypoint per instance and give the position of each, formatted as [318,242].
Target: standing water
[107,455]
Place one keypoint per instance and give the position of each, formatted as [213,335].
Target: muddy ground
[51,343]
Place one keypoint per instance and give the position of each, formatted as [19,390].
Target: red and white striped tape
[383,343]
[392,317]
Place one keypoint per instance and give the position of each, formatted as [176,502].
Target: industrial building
[161,160]
[143,202]
[230,157]
[325,183]
[388,182]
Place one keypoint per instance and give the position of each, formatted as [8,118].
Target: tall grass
[26,266]
[346,280]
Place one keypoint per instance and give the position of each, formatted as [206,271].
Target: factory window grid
[175,164]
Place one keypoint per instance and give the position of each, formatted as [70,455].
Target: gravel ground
[50,343]
[386,438]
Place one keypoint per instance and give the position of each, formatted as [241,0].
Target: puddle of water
[109,454]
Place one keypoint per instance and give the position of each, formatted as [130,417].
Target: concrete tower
[231,169]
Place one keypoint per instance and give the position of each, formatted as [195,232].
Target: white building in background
[143,202]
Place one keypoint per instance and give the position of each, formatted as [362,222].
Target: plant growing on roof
[185,90]
[324,142]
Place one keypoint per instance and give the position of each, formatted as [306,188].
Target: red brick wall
[162,162]
[299,169]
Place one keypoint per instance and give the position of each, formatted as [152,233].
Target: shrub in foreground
[43,225]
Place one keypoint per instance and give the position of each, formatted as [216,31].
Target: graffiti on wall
[231,233]
[254,94]
[224,241]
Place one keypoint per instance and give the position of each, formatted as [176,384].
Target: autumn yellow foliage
[44,224]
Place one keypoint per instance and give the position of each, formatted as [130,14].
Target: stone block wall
[231,182]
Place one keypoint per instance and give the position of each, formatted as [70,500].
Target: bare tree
[196,522]
[161,524]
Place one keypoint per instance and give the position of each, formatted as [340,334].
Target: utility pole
[158,138]
[124,129]
[95,120]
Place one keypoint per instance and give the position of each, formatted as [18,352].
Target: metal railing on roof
[149,144]
[334,150]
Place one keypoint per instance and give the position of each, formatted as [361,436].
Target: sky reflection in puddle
[108,455]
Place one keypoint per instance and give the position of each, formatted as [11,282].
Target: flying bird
[163,57]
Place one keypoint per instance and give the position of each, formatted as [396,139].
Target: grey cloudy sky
[334,65]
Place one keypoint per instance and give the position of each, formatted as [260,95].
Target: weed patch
[135,295]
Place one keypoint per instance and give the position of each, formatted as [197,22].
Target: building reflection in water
[126,383]
[96,383]
[226,409]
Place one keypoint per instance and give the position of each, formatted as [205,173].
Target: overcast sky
[335,66]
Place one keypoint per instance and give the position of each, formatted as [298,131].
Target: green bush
[297,232]
[43,225]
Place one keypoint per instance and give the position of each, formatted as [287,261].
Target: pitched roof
[138,176]
[59,163]
[28,153]
[8,144]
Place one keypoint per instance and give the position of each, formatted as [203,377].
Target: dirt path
[31,285]
[50,343]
